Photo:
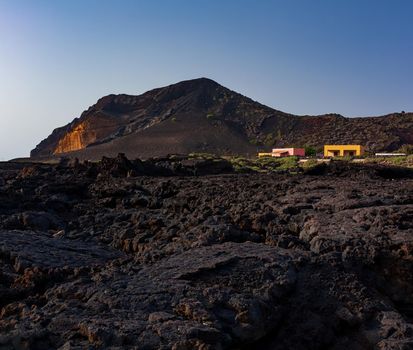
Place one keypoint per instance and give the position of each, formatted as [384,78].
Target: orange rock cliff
[86,133]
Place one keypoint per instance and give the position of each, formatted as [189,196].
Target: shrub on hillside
[310,151]
[408,149]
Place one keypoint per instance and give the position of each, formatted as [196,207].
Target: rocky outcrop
[143,254]
[41,251]
[90,130]
[76,139]
[202,116]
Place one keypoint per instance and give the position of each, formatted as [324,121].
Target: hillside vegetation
[202,116]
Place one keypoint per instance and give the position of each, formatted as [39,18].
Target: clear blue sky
[353,57]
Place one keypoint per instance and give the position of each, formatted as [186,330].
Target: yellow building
[343,150]
[266,154]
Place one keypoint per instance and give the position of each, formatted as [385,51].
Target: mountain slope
[202,116]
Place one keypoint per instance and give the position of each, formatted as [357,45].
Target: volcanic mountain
[202,116]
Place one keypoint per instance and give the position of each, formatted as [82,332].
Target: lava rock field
[153,255]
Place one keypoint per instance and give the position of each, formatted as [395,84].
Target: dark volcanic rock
[25,249]
[208,297]
[102,255]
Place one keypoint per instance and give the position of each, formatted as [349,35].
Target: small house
[343,150]
[284,152]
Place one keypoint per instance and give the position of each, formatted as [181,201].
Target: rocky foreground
[190,255]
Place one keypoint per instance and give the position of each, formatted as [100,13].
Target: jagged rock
[36,250]
[92,255]
[41,221]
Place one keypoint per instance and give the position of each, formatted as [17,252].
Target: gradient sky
[353,57]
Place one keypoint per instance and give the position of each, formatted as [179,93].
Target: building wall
[299,152]
[343,150]
[284,152]
[264,154]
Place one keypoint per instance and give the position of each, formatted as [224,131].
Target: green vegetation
[287,163]
[269,163]
[404,161]
[401,160]
[310,151]
[408,149]
[292,165]
[343,159]
[311,163]
[202,156]
[264,164]
[269,140]
[243,165]
[255,142]
[210,116]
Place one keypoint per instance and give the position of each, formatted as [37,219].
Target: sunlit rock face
[76,139]
[86,132]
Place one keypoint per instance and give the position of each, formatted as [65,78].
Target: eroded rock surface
[136,255]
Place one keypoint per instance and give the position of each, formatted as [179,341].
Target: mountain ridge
[200,115]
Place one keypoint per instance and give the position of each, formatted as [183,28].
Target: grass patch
[403,161]
[287,163]
[311,163]
[400,160]
[264,164]
[343,159]
[202,156]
